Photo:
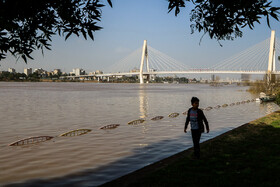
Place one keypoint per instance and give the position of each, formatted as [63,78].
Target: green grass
[248,155]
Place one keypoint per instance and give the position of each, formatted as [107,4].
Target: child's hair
[194,99]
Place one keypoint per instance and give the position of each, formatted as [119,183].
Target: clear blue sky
[126,25]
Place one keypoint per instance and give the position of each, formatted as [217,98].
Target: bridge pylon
[144,59]
[271,58]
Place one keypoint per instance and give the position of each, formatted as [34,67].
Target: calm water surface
[34,109]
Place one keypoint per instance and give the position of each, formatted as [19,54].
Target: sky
[127,25]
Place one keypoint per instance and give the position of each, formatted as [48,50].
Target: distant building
[153,76]
[39,71]
[27,71]
[11,70]
[56,71]
[78,72]
[98,72]
[49,74]
[134,70]
[83,72]
[213,77]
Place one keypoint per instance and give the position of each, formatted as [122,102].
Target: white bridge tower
[144,58]
[271,58]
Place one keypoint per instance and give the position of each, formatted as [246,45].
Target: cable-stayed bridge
[261,58]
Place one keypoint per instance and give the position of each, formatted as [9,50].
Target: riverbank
[247,155]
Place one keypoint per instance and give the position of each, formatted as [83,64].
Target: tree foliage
[224,19]
[28,25]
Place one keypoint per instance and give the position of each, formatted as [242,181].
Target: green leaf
[110,3]
[274,16]
[90,34]
[67,36]
[24,58]
[28,55]
[267,19]
[84,33]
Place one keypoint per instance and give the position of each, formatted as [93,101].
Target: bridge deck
[176,72]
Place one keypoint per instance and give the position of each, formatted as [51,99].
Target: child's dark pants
[196,134]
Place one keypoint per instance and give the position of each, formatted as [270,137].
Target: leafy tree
[34,75]
[19,76]
[4,75]
[27,25]
[11,76]
[159,79]
[183,80]
[224,19]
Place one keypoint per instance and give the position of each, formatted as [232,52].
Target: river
[37,109]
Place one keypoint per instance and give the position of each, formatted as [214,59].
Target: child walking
[196,117]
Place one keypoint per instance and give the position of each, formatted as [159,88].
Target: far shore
[120,82]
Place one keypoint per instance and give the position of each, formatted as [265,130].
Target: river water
[36,109]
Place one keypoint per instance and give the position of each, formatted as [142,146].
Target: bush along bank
[277,99]
[248,155]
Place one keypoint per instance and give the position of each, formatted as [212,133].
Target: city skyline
[126,25]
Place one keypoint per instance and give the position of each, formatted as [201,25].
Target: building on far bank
[212,77]
[98,72]
[78,72]
[39,71]
[91,73]
[27,71]
[49,74]
[134,70]
[43,73]
[153,76]
[56,71]
[11,70]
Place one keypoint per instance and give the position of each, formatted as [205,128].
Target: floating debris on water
[111,126]
[31,140]
[186,112]
[77,132]
[157,118]
[224,105]
[218,106]
[232,104]
[135,122]
[238,103]
[208,108]
[173,115]
[253,100]
[243,102]
[248,101]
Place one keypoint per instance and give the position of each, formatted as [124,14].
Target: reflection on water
[37,109]
[143,101]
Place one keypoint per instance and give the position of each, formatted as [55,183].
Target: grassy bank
[248,155]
